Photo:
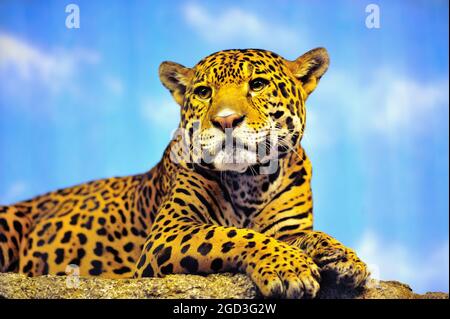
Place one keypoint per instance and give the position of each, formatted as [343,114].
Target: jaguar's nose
[227,122]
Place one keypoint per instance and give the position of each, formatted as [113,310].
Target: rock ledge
[220,286]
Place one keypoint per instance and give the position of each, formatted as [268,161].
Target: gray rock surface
[228,286]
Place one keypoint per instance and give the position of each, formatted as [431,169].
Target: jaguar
[232,192]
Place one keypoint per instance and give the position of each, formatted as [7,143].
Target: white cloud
[14,193]
[384,104]
[161,112]
[114,85]
[234,26]
[408,104]
[394,261]
[24,66]
[35,79]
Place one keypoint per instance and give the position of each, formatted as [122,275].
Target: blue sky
[81,104]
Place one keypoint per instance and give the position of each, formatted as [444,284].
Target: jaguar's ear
[310,67]
[175,77]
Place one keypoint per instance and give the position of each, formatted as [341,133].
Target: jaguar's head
[243,107]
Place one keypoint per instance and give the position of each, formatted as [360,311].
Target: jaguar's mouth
[238,157]
[236,150]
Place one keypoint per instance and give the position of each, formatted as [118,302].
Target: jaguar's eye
[258,84]
[203,92]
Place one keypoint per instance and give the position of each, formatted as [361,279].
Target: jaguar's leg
[178,245]
[336,262]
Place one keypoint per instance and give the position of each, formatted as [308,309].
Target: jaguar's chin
[237,160]
[239,168]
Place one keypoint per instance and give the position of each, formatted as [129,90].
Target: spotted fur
[185,217]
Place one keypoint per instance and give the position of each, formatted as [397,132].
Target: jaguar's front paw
[347,270]
[338,263]
[288,273]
